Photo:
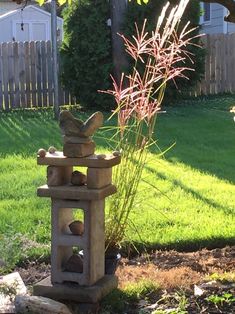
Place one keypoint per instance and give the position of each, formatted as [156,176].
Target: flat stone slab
[93,161]
[75,292]
[15,282]
[39,305]
[72,192]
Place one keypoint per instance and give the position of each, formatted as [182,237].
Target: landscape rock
[76,139]
[78,150]
[72,127]
[77,227]
[10,285]
[42,152]
[78,178]
[39,305]
[74,264]
[52,150]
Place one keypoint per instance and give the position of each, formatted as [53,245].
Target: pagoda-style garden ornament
[74,276]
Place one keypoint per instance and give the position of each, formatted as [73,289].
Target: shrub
[137,13]
[86,52]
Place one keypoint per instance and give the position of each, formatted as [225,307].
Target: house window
[206,12]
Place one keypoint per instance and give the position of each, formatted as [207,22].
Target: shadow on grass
[204,134]
[24,132]
[181,246]
[210,202]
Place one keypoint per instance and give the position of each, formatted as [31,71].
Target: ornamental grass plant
[159,57]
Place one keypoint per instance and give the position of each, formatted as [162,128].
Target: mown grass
[188,202]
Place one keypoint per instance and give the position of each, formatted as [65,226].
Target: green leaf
[40,2]
[61,2]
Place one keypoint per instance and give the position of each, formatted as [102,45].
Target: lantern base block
[73,292]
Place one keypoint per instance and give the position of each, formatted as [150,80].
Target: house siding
[216,25]
[231,28]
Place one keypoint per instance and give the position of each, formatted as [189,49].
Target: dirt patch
[172,269]
[176,273]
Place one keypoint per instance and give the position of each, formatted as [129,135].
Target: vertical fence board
[22,74]
[233,61]
[50,74]
[44,74]
[5,75]
[16,74]
[1,80]
[39,73]
[206,86]
[217,65]
[33,73]
[11,76]
[27,75]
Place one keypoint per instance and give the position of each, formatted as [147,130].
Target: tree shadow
[197,195]
[133,249]
[203,136]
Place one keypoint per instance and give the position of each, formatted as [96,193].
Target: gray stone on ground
[10,285]
[39,305]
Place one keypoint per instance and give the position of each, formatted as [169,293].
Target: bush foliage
[137,14]
[86,52]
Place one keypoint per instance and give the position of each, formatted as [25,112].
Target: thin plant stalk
[139,95]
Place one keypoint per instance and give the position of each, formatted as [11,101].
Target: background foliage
[137,13]
[86,51]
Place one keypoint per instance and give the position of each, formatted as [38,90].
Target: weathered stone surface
[75,292]
[58,159]
[58,175]
[116,153]
[76,140]
[39,305]
[70,126]
[42,152]
[79,150]
[77,227]
[101,156]
[74,264]
[98,177]
[51,150]
[78,178]
[14,285]
[76,192]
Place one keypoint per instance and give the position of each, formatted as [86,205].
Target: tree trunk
[117,9]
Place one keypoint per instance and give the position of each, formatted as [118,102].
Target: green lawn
[191,205]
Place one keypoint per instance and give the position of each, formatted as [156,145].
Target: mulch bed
[176,273]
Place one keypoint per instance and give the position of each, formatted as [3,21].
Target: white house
[212,19]
[26,23]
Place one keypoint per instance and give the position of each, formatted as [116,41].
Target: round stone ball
[76,227]
[42,152]
[52,150]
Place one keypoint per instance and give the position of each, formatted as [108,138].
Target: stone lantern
[74,276]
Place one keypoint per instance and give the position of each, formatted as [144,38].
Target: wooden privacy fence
[26,77]
[219,65]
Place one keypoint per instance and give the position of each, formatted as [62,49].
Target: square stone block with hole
[78,150]
[98,178]
[58,175]
[92,242]
[75,292]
